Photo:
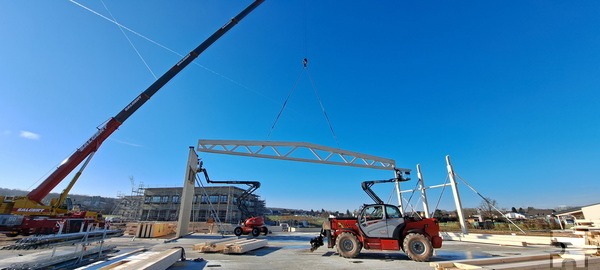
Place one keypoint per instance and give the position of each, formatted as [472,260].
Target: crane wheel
[238,231]
[418,247]
[255,231]
[264,230]
[348,245]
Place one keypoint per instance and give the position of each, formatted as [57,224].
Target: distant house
[514,216]
[535,213]
[589,213]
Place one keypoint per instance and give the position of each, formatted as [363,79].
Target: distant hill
[100,204]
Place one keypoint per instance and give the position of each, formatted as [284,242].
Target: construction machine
[381,226]
[249,224]
[28,215]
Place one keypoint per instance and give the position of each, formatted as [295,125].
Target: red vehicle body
[381,226]
[385,231]
[253,225]
[29,225]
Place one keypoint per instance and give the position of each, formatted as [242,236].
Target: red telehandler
[250,224]
[381,226]
[28,215]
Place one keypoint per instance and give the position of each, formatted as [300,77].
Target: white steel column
[457,201]
[399,197]
[187,195]
[423,192]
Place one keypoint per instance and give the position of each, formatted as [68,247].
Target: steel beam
[296,151]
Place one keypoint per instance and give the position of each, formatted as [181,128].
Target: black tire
[418,247]
[238,231]
[255,231]
[11,234]
[348,245]
[264,230]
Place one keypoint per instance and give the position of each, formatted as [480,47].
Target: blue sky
[508,89]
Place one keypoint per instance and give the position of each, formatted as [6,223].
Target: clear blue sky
[508,89]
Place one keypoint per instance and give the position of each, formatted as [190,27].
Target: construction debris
[232,245]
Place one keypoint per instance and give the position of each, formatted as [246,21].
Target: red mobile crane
[25,215]
[250,224]
[381,226]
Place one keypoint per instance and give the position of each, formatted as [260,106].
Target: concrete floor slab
[291,251]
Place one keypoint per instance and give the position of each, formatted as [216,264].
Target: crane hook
[305,62]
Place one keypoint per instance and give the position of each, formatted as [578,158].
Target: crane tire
[264,230]
[238,231]
[348,245]
[255,231]
[418,247]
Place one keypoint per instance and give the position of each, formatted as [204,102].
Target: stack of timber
[150,229]
[232,245]
[541,261]
[150,260]
[210,227]
[511,240]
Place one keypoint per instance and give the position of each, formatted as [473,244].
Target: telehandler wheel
[11,234]
[264,230]
[348,245]
[238,231]
[255,231]
[418,247]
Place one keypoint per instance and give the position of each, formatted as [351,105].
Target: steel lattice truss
[295,151]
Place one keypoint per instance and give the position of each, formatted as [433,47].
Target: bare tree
[488,207]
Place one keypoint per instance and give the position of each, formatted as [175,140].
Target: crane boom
[92,144]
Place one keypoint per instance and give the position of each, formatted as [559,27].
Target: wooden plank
[231,245]
[218,245]
[245,246]
[149,260]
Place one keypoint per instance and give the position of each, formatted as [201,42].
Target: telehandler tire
[348,245]
[418,247]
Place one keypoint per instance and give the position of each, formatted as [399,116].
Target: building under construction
[218,203]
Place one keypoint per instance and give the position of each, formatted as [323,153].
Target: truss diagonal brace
[296,151]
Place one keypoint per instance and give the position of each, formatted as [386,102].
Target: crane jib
[92,144]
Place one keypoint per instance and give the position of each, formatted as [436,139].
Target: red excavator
[250,224]
[28,215]
[381,226]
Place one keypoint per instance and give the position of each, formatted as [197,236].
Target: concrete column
[187,195]
[423,192]
[461,217]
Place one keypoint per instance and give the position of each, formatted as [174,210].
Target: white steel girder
[296,151]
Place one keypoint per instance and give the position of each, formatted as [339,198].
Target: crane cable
[123,27]
[129,40]
[440,198]
[487,201]
[285,103]
[321,103]
[312,83]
